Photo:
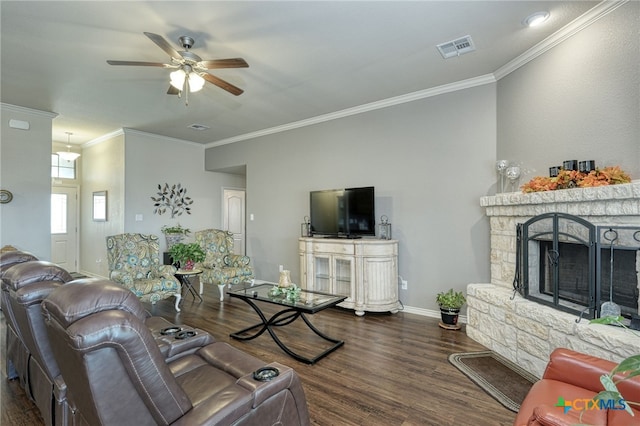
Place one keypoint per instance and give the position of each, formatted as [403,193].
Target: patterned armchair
[134,264]
[221,266]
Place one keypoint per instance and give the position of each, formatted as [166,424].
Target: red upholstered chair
[575,376]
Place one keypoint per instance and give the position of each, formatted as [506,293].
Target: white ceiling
[306,59]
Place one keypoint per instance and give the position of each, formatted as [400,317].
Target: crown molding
[156,136]
[397,100]
[569,30]
[24,110]
[103,138]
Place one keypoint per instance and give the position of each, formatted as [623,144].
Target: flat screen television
[344,213]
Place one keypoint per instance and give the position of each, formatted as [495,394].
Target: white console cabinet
[365,270]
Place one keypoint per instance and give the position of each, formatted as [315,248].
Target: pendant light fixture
[68,155]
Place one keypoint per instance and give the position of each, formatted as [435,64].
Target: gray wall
[25,171]
[578,101]
[152,160]
[129,166]
[429,160]
[103,170]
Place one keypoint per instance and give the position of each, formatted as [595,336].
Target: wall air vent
[456,47]
[198,127]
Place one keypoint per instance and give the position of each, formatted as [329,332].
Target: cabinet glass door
[342,276]
[322,274]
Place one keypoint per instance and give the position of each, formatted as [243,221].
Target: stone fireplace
[524,330]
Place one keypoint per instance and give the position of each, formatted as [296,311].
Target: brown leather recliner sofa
[117,374]
[17,354]
[24,286]
[570,380]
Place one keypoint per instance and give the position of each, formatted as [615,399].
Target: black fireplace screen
[567,262]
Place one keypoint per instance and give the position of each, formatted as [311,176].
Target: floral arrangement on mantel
[574,179]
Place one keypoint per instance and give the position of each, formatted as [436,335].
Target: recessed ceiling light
[535,19]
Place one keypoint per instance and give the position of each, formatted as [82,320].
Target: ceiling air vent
[198,127]
[456,47]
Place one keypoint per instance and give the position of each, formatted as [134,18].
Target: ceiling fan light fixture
[177,78]
[536,19]
[196,82]
[68,155]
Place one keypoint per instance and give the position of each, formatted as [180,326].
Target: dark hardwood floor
[392,369]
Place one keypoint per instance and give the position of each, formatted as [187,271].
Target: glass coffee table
[307,302]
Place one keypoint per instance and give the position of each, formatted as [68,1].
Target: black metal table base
[184,280]
[282,318]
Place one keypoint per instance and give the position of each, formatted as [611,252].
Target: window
[58,213]
[61,168]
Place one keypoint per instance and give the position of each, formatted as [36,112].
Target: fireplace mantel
[524,331]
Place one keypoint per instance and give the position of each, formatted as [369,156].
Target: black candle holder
[586,166]
[570,165]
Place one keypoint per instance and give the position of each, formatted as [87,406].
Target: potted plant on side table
[187,254]
[450,303]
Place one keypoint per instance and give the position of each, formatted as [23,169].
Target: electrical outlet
[404,284]
[280,268]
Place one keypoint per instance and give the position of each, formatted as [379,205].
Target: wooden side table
[184,276]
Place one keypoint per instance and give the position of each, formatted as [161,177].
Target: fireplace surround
[526,331]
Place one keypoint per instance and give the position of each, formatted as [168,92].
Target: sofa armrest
[578,369]
[121,278]
[263,390]
[59,388]
[165,271]
[546,415]
[177,346]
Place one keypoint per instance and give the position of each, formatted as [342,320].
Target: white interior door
[64,227]
[233,217]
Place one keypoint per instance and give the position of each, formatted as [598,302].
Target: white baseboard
[430,313]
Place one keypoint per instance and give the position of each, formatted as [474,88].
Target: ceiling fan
[190,70]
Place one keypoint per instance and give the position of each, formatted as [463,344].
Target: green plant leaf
[609,385]
[629,365]
[617,320]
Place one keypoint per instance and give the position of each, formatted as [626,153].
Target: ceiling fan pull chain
[186,90]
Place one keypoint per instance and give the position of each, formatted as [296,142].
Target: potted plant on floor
[174,234]
[187,254]
[450,303]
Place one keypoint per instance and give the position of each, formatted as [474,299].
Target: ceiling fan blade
[224,63]
[164,45]
[172,90]
[222,84]
[139,64]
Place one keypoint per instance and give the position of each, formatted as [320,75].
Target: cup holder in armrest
[265,374]
[170,330]
[185,334]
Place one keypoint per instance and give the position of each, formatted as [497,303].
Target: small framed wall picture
[100,206]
